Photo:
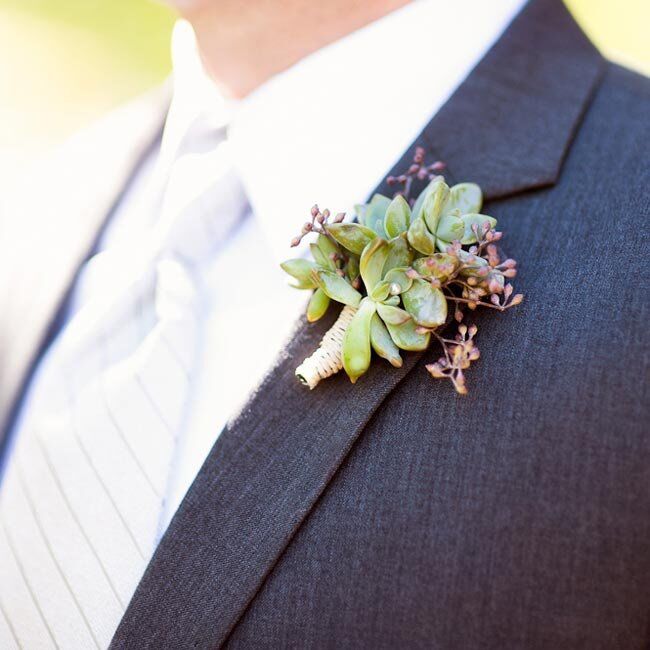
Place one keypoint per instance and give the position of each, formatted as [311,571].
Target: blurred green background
[65,62]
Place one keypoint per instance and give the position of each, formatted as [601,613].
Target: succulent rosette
[402,272]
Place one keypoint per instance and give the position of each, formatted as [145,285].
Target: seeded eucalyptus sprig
[397,270]
[334,271]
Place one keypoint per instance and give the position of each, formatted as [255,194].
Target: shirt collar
[327,129]
[197,104]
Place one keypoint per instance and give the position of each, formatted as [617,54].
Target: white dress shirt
[326,130]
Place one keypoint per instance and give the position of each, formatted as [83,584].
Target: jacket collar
[507,127]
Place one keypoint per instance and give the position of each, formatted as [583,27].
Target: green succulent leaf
[336,287]
[392,315]
[420,238]
[352,236]
[416,211]
[439,265]
[376,213]
[381,291]
[399,253]
[320,258]
[356,341]
[372,262]
[472,263]
[470,220]
[393,301]
[398,217]
[442,245]
[398,276]
[352,267]
[450,228]
[318,304]
[434,204]
[301,270]
[427,305]
[406,338]
[382,343]
[464,198]
[327,246]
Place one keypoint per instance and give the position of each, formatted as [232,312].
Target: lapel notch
[508,127]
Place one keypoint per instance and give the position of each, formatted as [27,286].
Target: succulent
[396,269]
[442,215]
[330,268]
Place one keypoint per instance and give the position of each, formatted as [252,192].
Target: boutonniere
[403,272]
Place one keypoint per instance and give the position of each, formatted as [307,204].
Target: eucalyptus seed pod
[327,360]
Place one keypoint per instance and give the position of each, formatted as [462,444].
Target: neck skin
[243,44]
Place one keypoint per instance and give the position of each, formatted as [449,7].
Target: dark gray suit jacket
[396,514]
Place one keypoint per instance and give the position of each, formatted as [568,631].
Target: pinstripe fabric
[81,503]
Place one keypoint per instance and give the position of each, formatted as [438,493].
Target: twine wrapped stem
[327,360]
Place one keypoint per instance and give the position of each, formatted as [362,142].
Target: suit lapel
[61,219]
[508,127]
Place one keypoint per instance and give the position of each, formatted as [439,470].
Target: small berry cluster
[418,170]
[481,274]
[459,354]
[318,223]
